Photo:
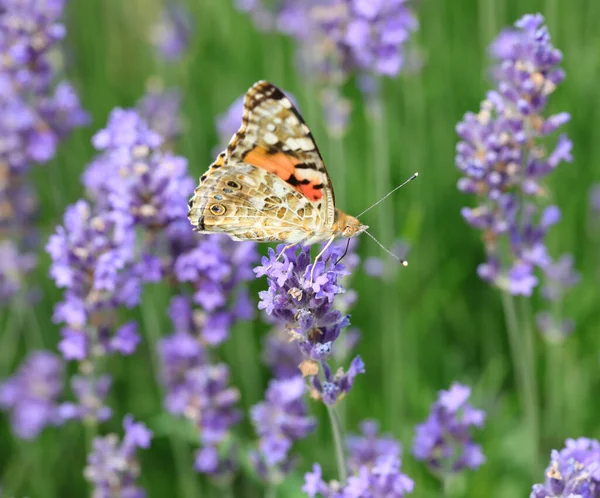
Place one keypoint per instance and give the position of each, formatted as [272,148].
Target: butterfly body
[270,184]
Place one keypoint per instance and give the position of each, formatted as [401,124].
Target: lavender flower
[160,109]
[31,394]
[503,162]
[197,389]
[280,420]
[113,466]
[594,198]
[337,39]
[14,266]
[90,394]
[216,267]
[35,115]
[574,471]
[93,259]
[308,312]
[444,440]
[172,32]
[366,448]
[374,463]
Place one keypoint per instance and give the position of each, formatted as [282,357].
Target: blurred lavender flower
[595,198]
[90,394]
[366,448]
[503,162]
[35,115]
[337,39]
[574,471]
[444,440]
[279,421]
[216,267]
[229,122]
[281,354]
[93,259]
[31,394]
[308,312]
[113,466]
[196,389]
[172,33]
[346,35]
[160,109]
[374,463]
[14,266]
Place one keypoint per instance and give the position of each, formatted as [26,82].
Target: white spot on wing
[270,138]
[285,102]
[270,127]
[305,143]
[305,129]
[292,143]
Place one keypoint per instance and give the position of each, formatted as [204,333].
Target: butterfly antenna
[387,195]
[403,261]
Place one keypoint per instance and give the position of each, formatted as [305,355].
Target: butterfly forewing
[270,184]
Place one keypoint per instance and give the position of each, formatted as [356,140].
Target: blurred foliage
[435,323]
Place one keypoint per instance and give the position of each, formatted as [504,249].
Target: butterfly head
[347,226]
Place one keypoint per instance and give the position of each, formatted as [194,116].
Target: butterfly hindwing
[248,203]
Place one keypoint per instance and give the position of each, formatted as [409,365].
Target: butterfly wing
[284,190]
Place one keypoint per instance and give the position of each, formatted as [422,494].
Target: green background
[434,323]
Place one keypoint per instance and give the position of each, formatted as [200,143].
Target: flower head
[31,394]
[503,161]
[93,259]
[382,478]
[444,440]
[305,306]
[574,471]
[172,32]
[281,419]
[160,109]
[113,466]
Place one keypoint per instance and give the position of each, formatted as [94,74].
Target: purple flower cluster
[160,109]
[199,391]
[35,114]
[340,38]
[93,259]
[307,310]
[280,420]
[503,161]
[172,32]
[374,463]
[345,35]
[31,394]
[113,466]
[444,440]
[574,471]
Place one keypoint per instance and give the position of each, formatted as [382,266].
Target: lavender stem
[340,458]
[524,371]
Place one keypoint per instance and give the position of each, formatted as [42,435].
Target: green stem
[521,345]
[340,458]
[271,490]
[186,479]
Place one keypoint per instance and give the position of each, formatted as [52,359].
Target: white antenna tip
[404,263]
[417,173]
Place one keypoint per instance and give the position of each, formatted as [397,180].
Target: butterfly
[270,184]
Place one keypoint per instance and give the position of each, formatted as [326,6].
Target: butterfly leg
[312,271]
[289,246]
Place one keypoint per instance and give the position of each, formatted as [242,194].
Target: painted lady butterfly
[270,184]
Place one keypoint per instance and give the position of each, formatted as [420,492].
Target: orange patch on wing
[310,192]
[284,166]
[279,163]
